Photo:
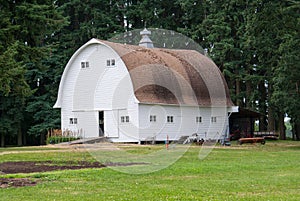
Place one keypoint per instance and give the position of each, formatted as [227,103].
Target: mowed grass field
[246,172]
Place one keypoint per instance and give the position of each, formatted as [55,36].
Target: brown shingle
[166,76]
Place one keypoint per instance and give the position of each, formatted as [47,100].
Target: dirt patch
[17,182]
[44,166]
[40,166]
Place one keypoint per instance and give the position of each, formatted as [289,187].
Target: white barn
[133,93]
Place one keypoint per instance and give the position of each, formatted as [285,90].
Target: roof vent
[146,41]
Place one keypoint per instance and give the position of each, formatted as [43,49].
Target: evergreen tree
[193,15]
[13,93]
[254,43]
[25,28]
[224,29]
[268,28]
[286,79]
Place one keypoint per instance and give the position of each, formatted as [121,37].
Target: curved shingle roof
[167,76]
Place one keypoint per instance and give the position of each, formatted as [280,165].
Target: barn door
[101,123]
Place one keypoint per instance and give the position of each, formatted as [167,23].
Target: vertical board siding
[88,123]
[184,122]
[68,93]
[86,91]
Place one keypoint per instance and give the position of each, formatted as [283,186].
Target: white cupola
[146,41]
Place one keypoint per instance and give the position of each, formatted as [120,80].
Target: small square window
[124,119]
[213,119]
[75,120]
[170,119]
[71,121]
[152,118]
[85,64]
[198,119]
[110,62]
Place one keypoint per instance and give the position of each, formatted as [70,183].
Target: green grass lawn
[247,172]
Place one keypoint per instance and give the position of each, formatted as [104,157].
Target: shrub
[59,139]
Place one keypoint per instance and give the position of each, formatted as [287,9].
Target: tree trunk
[271,115]
[42,141]
[2,140]
[296,131]
[237,92]
[262,123]
[24,139]
[262,107]
[271,119]
[281,127]
[248,94]
[20,137]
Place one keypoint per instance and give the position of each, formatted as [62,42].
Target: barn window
[170,119]
[213,119]
[124,119]
[198,119]
[152,118]
[73,121]
[85,64]
[110,62]
[113,62]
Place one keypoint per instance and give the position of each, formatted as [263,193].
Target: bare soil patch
[41,166]
[17,182]
[45,166]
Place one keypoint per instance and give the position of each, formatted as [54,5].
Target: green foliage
[286,80]
[60,139]
[246,40]
[254,43]
[25,29]
[12,80]
[13,91]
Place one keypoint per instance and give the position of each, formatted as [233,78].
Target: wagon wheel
[263,142]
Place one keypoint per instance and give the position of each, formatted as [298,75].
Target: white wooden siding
[86,91]
[88,123]
[184,122]
[122,131]
[67,95]
[85,86]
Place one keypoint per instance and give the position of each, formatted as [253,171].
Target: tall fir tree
[25,27]
[286,78]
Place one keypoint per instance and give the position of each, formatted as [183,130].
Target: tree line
[255,43]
